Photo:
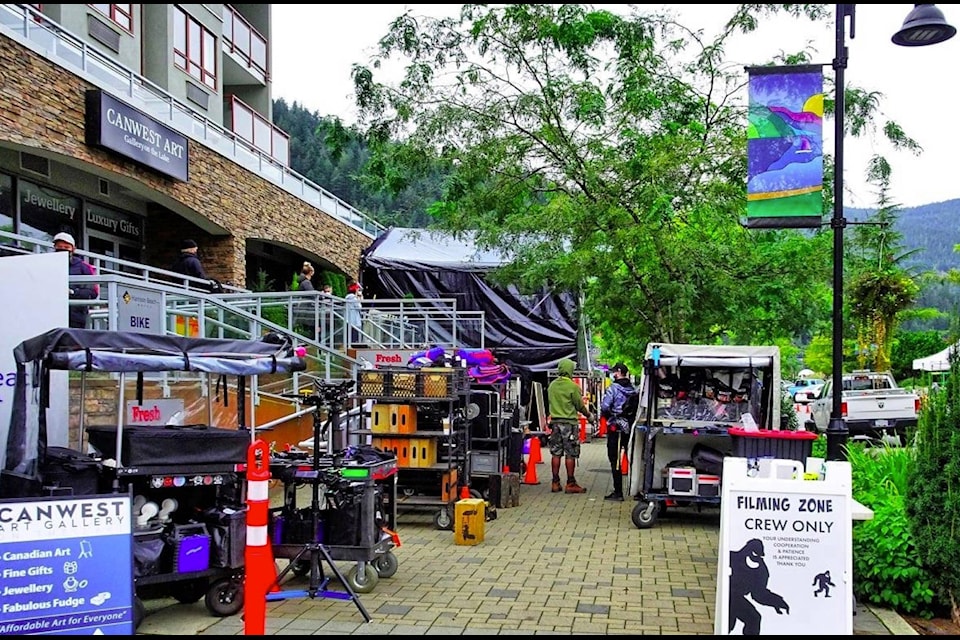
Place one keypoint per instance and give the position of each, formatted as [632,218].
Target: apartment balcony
[246,48]
[257,130]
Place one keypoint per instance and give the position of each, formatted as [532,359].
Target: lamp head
[924,25]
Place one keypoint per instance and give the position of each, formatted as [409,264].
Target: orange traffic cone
[602,429]
[464,492]
[535,456]
[530,476]
[583,429]
[624,464]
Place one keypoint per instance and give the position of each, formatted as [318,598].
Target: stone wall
[42,111]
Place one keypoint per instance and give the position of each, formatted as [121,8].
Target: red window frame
[120,14]
[199,57]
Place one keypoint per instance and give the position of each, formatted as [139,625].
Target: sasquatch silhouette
[749,576]
[823,582]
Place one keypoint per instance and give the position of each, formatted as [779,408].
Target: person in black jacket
[188,263]
[63,241]
[615,407]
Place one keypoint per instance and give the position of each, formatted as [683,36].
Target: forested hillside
[932,229]
[331,156]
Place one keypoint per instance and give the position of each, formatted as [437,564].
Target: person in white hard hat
[63,241]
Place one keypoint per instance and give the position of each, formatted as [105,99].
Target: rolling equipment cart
[690,398]
[421,415]
[187,481]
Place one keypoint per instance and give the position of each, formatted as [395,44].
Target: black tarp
[529,332]
[115,351]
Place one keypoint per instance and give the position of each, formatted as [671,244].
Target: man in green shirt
[566,403]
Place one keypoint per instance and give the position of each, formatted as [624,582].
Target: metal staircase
[182,305]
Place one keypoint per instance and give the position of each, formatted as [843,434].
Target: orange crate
[404,418]
[384,444]
[402,448]
[448,486]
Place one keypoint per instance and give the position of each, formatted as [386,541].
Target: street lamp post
[924,25]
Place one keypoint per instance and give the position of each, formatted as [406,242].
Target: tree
[933,497]
[606,153]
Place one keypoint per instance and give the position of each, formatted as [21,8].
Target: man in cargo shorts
[566,403]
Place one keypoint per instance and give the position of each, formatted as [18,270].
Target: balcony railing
[258,131]
[38,33]
[245,43]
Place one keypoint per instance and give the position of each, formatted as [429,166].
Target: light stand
[924,25]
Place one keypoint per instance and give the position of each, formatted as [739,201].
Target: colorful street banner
[785,147]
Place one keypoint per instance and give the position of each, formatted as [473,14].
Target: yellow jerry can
[469,519]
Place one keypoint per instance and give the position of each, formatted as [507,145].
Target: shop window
[45,212]
[6,207]
[194,48]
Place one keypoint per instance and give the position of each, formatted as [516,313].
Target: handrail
[26,245]
[36,31]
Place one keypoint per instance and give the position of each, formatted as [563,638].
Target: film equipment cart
[187,480]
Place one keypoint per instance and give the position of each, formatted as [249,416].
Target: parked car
[873,406]
[803,384]
[808,394]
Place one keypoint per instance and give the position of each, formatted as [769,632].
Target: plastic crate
[767,443]
[404,385]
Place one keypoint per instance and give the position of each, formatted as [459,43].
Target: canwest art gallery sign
[118,127]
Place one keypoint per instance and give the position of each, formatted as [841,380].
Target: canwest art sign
[118,127]
[67,566]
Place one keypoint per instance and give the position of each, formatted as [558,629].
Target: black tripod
[332,396]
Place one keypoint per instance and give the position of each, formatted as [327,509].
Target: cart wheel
[476,494]
[362,583]
[386,564]
[645,514]
[190,592]
[301,568]
[225,597]
[443,520]
[139,612]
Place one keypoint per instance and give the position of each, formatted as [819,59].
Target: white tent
[939,361]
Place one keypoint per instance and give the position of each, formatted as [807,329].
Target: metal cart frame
[85,351]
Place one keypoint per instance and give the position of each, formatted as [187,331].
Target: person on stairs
[619,407]
[565,404]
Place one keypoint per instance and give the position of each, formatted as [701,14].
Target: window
[194,48]
[121,14]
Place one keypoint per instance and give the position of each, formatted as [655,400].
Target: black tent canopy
[531,333]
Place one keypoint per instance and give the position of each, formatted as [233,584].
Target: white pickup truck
[872,405]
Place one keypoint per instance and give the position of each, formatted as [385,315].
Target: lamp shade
[924,25]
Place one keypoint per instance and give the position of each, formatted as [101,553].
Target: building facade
[134,127]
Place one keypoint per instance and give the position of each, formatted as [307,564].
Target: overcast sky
[314,47]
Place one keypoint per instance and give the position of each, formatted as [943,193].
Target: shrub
[885,567]
[933,497]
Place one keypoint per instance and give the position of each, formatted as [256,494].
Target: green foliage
[933,497]
[910,345]
[263,282]
[885,568]
[608,157]
[819,447]
[787,411]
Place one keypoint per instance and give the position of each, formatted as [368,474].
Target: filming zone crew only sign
[786,547]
